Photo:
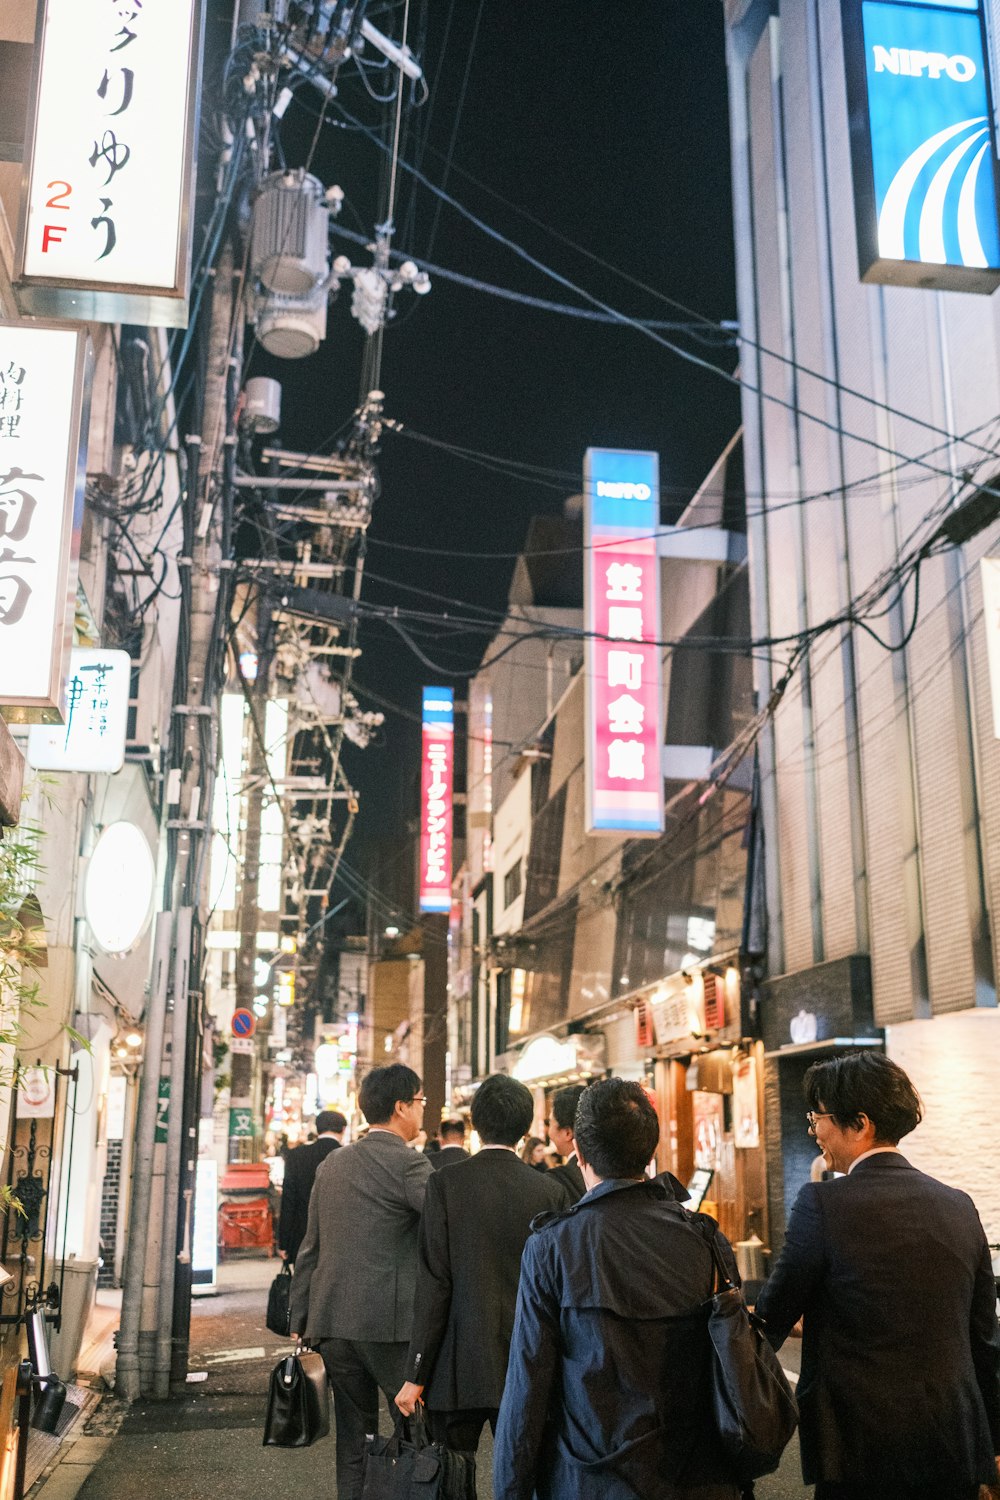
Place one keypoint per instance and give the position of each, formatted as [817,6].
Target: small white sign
[990,572]
[36,1094]
[97,697]
[205,1233]
[117,1101]
[110,153]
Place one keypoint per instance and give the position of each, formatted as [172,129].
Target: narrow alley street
[206,1445]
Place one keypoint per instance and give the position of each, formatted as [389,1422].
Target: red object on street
[246,1221]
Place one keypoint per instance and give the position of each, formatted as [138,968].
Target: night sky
[607,122]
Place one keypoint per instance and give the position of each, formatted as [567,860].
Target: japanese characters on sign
[437,761]
[93,736]
[44,393]
[623,678]
[111,153]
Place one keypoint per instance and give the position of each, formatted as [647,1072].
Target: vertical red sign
[623,677]
[437,764]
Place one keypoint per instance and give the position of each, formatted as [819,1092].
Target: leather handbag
[298,1402]
[279,1303]
[409,1466]
[755,1411]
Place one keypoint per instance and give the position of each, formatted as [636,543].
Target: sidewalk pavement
[207,1444]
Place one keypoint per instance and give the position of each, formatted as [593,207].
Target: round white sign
[118,892]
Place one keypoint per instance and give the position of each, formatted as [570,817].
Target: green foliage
[21,940]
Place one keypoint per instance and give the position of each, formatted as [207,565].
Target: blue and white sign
[923,145]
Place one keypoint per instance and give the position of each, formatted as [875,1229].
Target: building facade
[869,416]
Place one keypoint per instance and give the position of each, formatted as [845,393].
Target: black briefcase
[409,1465]
[279,1303]
[298,1402]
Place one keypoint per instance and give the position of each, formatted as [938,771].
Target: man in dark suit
[300,1174]
[475,1223]
[560,1128]
[453,1150]
[607,1394]
[352,1292]
[899,1395]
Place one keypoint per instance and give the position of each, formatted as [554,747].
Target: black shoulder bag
[279,1303]
[754,1408]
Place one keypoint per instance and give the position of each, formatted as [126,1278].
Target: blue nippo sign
[923,145]
[244,1023]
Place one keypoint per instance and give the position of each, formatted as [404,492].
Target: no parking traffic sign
[244,1023]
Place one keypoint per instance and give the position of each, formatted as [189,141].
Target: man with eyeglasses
[356,1271]
[899,1396]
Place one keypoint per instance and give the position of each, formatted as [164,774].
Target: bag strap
[722,1281]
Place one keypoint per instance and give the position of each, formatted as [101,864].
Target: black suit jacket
[447,1157]
[900,1374]
[475,1222]
[571,1178]
[300,1174]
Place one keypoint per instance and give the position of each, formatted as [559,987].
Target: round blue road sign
[244,1023]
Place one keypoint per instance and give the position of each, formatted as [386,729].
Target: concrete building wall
[955,1058]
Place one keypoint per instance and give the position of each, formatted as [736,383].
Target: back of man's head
[330,1122]
[452,1132]
[616,1128]
[383,1088]
[502,1110]
[865,1083]
[564,1105]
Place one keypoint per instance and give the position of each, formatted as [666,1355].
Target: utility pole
[211,595]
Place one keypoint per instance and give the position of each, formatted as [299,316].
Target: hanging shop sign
[109,152]
[437,763]
[44,413]
[990,573]
[923,144]
[97,698]
[746,1121]
[118,888]
[622,612]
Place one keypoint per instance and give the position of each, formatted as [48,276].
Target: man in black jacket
[453,1150]
[475,1222]
[899,1394]
[560,1128]
[608,1393]
[300,1174]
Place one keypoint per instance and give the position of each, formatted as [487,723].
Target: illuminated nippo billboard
[622,615]
[437,762]
[923,144]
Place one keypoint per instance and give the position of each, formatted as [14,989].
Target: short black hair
[564,1105]
[865,1083]
[502,1110]
[452,1130]
[383,1088]
[330,1119]
[616,1128]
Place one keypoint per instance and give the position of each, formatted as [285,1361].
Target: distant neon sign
[622,604]
[437,766]
[922,143]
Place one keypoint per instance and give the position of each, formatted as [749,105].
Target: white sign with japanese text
[44,395]
[110,153]
[93,737]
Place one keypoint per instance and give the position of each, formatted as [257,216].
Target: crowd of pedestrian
[565,1306]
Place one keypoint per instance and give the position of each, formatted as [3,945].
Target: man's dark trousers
[357,1371]
[461,1429]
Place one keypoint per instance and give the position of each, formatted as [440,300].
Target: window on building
[512,884]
